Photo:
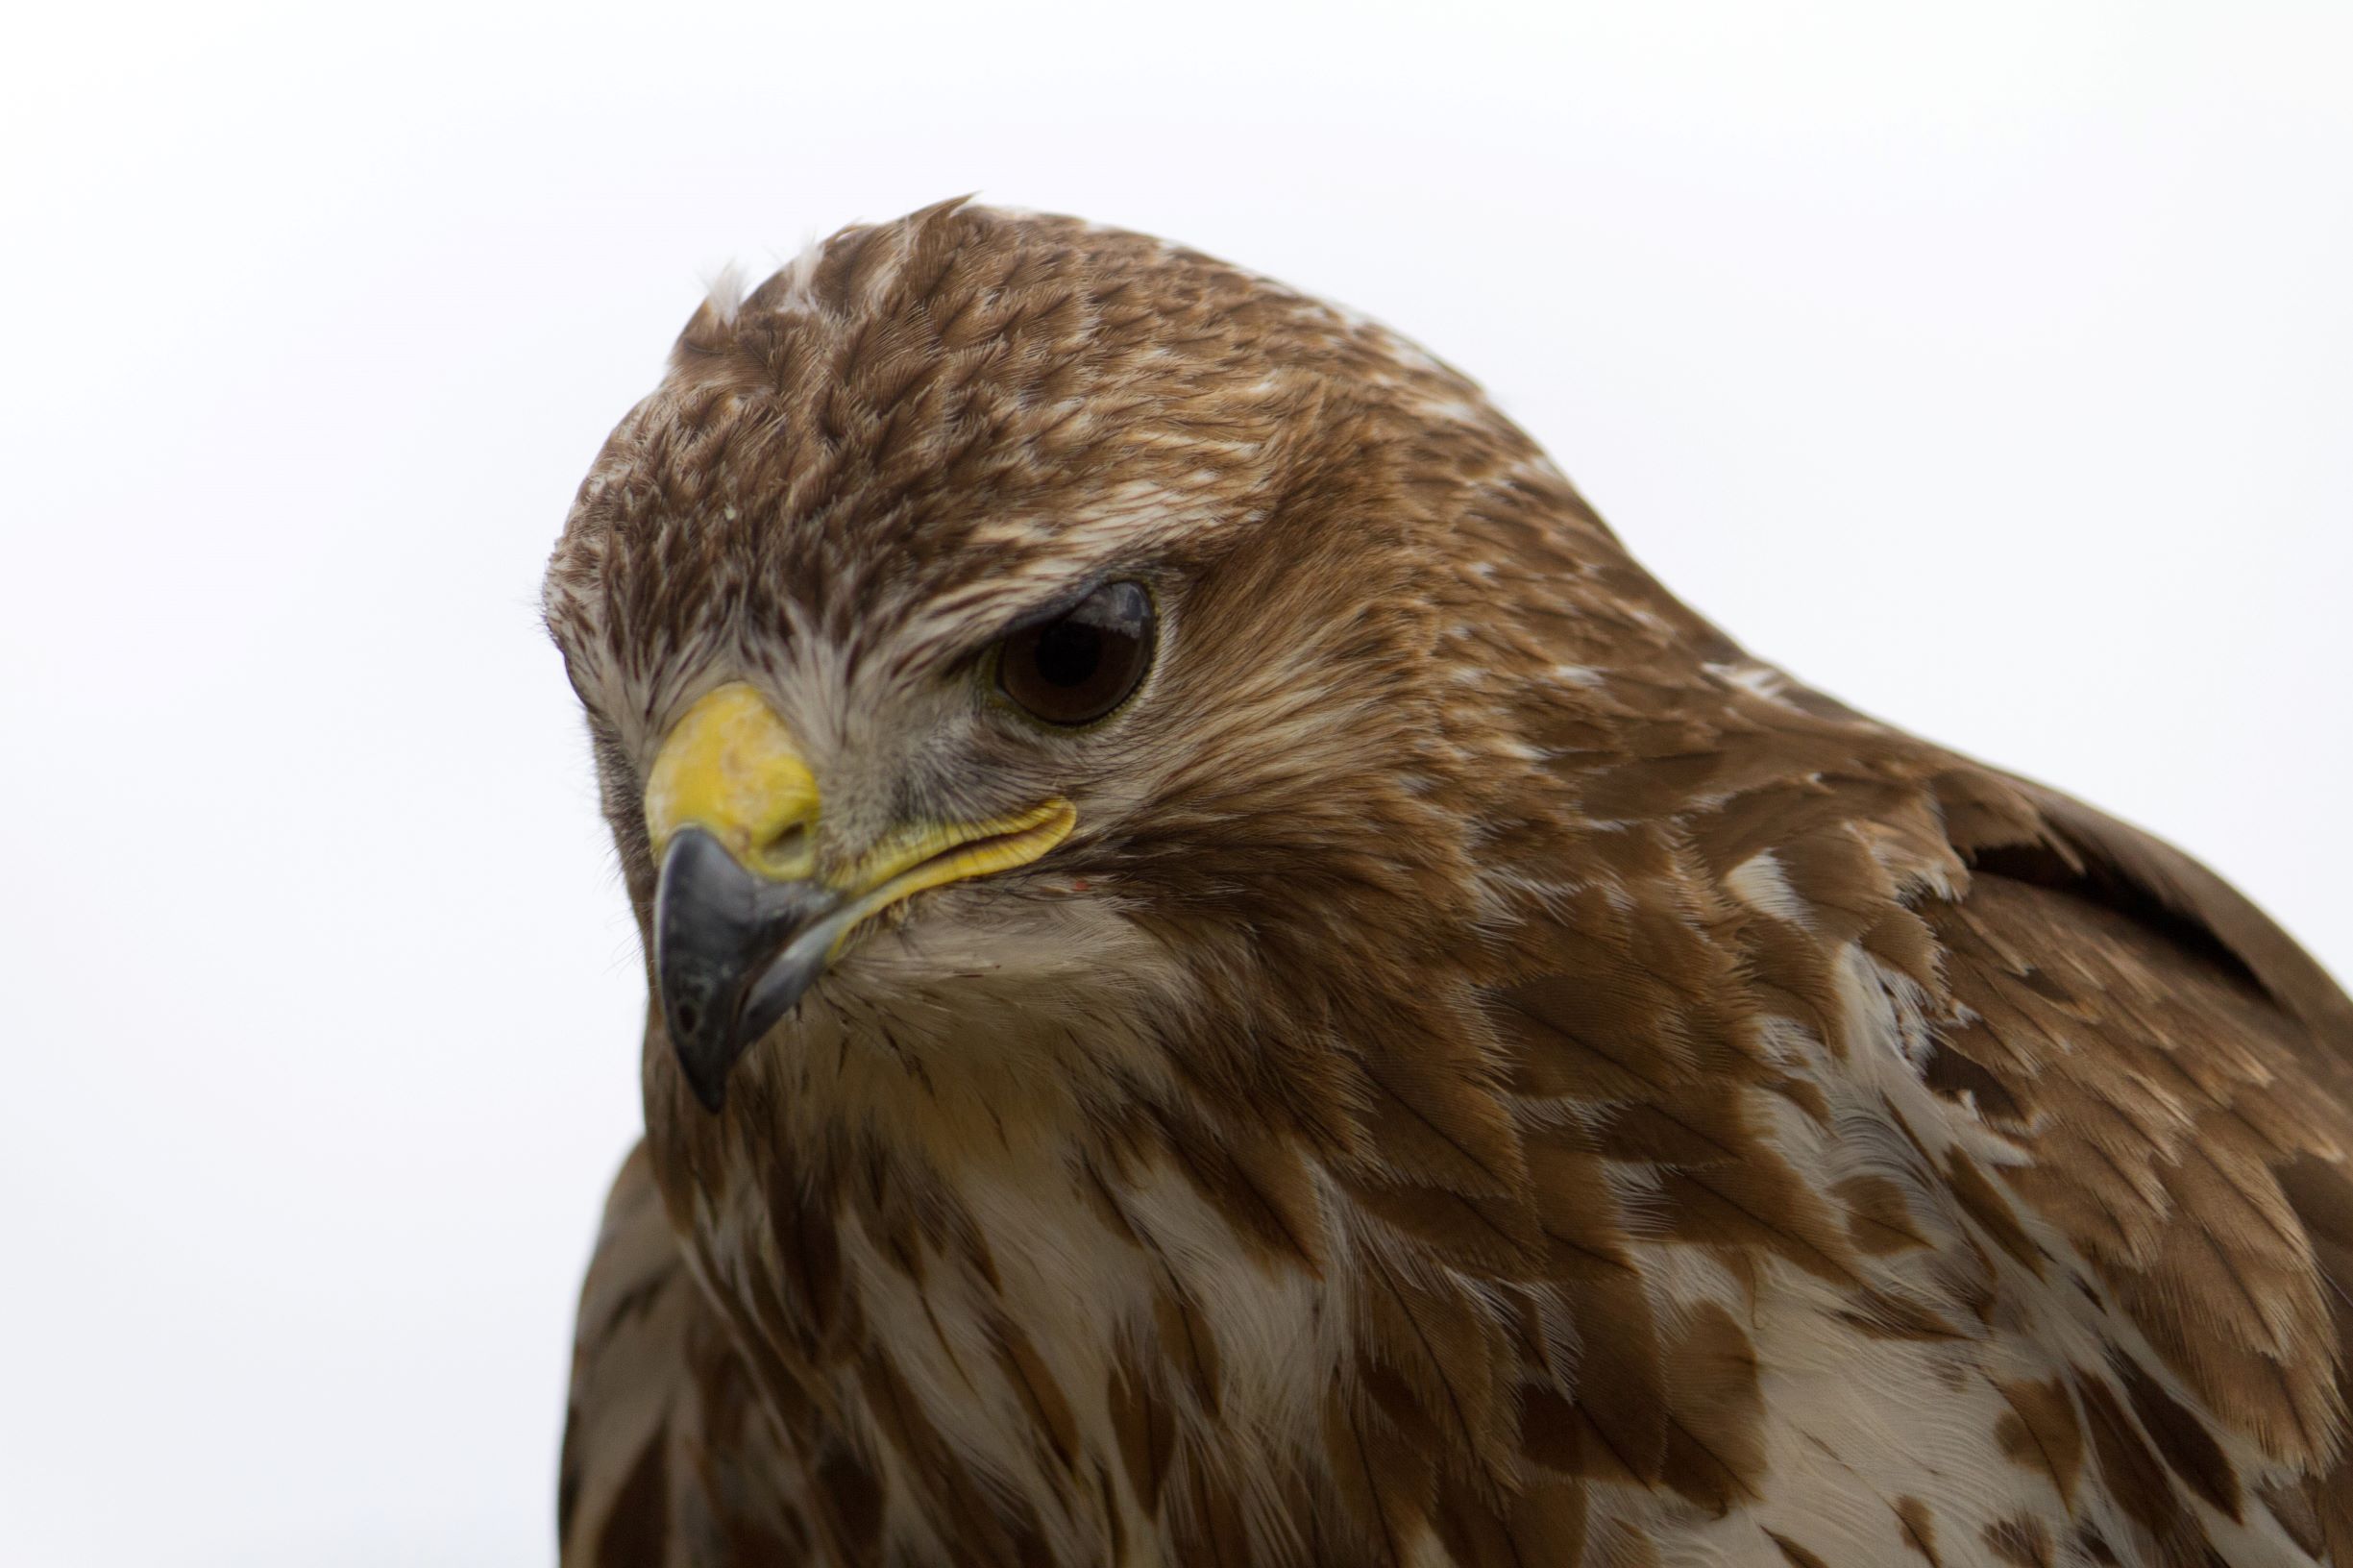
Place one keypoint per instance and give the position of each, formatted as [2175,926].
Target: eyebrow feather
[943,636]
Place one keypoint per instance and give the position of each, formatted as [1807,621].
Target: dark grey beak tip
[719,932]
[709,1084]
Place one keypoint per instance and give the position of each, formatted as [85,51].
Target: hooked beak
[732,952]
[743,921]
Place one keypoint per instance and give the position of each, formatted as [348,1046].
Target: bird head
[1030,664]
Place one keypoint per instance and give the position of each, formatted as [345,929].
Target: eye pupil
[1068,654]
[1083,663]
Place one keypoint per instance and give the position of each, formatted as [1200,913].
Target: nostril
[689,1016]
[786,847]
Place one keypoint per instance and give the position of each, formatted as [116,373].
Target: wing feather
[2180,1073]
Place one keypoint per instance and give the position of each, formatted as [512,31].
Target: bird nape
[1234,983]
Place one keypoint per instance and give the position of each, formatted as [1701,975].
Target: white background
[1994,371]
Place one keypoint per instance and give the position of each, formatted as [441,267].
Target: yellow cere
[731,768]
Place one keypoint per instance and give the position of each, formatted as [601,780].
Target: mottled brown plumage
[1495,1076]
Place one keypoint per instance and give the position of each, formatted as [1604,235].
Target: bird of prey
[1233,983]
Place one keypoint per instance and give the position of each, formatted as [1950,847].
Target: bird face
[1009,643]
[882,812]
[759,886]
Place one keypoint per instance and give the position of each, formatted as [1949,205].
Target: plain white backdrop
[1989,366]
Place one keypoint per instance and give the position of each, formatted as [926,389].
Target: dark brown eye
[1083,663]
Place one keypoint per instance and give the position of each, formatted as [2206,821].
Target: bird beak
[744,920]
[732,952]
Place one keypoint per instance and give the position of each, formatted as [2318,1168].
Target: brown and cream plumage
[1461,1065]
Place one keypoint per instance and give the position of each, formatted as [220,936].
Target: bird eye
[1083,663]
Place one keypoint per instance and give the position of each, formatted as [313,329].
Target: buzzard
[1234,983]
